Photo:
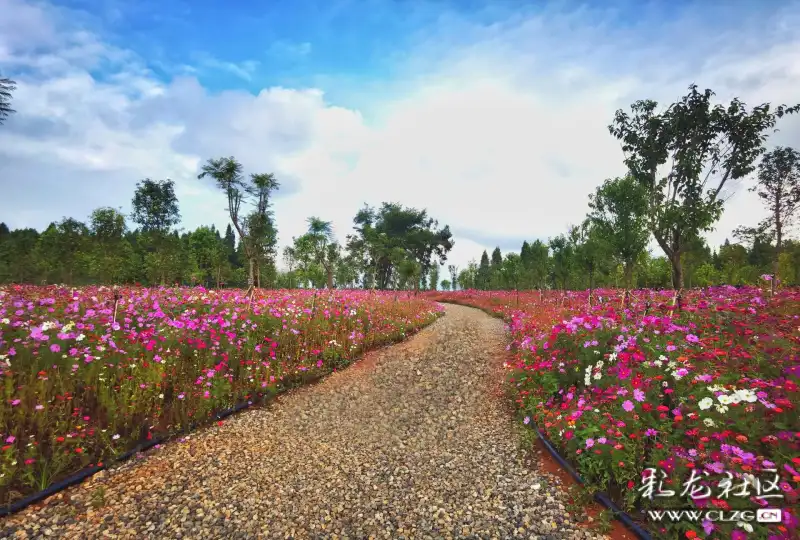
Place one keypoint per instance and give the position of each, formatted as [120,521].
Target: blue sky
[492,115]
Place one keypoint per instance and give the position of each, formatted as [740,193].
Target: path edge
[599,496]
[262,399]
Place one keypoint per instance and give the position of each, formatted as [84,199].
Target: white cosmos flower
[722,409]
[725,399]
[705,403]
[708,422]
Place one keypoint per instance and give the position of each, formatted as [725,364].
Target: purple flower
[628,405]
[527,420]
[708,526]
[691,338]
[589,443]
[638,395]
[55,347]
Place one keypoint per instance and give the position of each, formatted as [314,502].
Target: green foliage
[386,238]
[434,276]
[618,212]
[707,146]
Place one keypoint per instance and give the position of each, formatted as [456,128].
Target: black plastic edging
[83,474]
[600,497]
[76,478]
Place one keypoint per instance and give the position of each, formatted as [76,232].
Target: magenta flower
[638,395]
[55,347]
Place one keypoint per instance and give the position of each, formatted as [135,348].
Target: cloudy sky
[491,114]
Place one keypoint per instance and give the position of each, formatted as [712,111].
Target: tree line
[681,161]
[391,246]
[682,164]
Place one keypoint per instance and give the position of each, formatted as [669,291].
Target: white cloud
[243,70]
[497,129]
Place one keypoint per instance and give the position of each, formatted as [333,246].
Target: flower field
[87,374]
[698,410]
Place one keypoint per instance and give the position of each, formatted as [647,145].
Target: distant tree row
[681,162]
[391,246]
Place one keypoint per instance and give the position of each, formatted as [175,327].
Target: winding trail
[413,441]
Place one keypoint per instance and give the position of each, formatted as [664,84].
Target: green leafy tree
[18,261]
[155,210]
[706,147]
[563,261]
[496,269]
[453,269]
[227,173]
[261,232]
[618,213]
[386,237]
[60,247]
[706,275]
[591,249]
[210,255]
[324,249]
[511,271]
[484,272]
[434,276]
[778,187]
[733,258]
[111,254]
[539,264]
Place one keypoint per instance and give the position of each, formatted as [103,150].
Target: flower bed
[86,374]
[642,403]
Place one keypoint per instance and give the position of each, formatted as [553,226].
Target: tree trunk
[251,273]
[677,271]
[628,273]
[329,276]
[219,273]
[778,249]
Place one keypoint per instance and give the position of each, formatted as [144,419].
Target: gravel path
[413,441]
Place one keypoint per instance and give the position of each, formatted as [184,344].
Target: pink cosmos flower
[628,405]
